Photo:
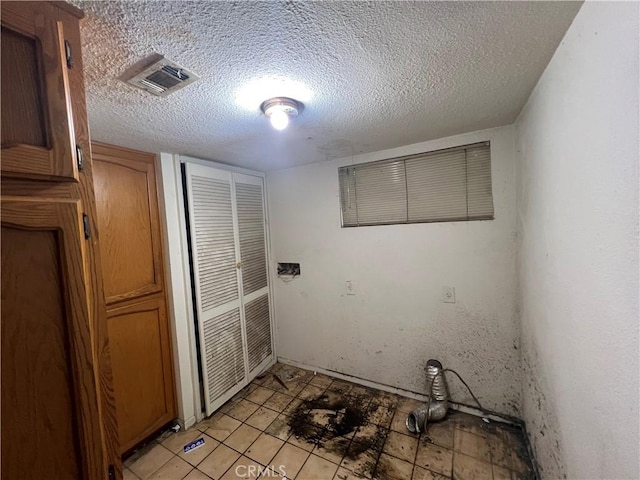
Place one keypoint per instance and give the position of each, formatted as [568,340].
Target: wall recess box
[285,268]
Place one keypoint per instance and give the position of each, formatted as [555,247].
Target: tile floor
[321,428]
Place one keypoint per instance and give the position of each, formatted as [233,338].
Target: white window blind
[441,186]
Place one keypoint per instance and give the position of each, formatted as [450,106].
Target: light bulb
[279,119]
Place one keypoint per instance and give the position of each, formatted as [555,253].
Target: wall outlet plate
[449,294]
[349,287]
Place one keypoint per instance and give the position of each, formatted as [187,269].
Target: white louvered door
[253,256]
[228,252]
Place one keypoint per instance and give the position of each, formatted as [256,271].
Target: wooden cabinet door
[51,426]
[132,268]
[141,362]
[130,236]
[37,123]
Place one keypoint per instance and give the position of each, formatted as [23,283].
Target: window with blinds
[442,186]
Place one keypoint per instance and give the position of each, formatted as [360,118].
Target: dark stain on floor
[352,426]
[331,420]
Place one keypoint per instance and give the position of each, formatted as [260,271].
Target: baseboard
[186,424]
[460,407]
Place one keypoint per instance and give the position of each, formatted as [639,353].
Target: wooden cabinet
[38,139]
[132,259]
[58,410]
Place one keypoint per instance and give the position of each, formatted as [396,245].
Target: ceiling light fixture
[280,109]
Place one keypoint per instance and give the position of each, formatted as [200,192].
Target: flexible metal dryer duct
[436,408]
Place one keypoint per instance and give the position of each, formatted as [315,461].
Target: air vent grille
[159,76]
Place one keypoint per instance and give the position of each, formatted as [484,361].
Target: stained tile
[316,468]
[244,436]
[206,423]
[174,469]
[472,445]
[278,401]
[307,442]
[243,393]
[197,475]
[380,415]
[332,449]
[291,459]
[469,468]
[259,395]
[242,410]
[293,405]
[272,383]
[279,427]
[262,418]
[289,373]
[194,457]
[408,405]
[321,380]
[176,441]
[401,446]
[310,392]
[399,422]
[420,473]
[441,433]
[275,367]
[361,461]
[371,436]
[243,468]
[151,461]
[500,473]
[217,463]
[340,386]
[264,449]
[222,427]
[435,458]
[294,388]
[344,474]
[386,399]
[500,454]
[227,406]
[391,468]
[519,464]
[469,423]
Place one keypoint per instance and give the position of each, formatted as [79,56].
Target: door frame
[181,308]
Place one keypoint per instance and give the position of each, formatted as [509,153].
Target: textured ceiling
[374,75]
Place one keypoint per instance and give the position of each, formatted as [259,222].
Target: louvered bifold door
[216,283]
[253,261]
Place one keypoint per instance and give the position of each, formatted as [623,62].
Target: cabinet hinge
[67,52]
[85,224]
[79,158]
[112,472]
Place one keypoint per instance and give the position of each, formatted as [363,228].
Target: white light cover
[279,119]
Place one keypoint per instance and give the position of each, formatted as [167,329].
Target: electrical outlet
[448,294]
[350,289]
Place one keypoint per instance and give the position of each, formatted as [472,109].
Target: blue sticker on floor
[193,445]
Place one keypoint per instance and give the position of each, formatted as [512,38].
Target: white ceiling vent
[158,75]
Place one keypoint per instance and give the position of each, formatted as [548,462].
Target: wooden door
[51,426]
[38,139]
[58,413]
[132,259]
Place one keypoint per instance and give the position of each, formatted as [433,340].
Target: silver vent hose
[436,407]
